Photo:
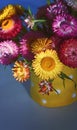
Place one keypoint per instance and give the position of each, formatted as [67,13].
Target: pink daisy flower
[65,26]
[10,28]
[8,52]
[68,52]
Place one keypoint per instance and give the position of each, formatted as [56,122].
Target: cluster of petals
[10,28]
[10,10]
[65,26]
[26,42]
[8,52]
[55,9]
[68,52]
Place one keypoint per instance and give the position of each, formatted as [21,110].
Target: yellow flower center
[7,24]
[47,63]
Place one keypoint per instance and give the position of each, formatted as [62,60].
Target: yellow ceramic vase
[64,95]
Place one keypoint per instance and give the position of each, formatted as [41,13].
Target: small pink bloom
[8,52]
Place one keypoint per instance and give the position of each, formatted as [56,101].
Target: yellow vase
[64,95]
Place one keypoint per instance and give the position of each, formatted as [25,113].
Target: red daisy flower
[45,87]
[10,28]
[68,52]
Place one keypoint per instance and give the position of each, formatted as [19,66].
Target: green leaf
[29,10]
[63,76]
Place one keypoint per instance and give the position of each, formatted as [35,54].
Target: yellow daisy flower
[41,44]
[47,65]
[7,11]
[21,71]
[10,10]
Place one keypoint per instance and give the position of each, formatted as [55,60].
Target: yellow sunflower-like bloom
[9,11]
[41,44]
[21,71]
[47,65]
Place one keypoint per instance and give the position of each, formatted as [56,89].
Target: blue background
[18,111]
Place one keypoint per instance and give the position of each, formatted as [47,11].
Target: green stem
[55,90]
[39,20]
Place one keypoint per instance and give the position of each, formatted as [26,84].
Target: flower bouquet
[42,48]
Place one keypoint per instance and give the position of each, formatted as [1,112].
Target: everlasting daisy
[56,8]
[68,52]
[41,44]
[45,87]
[8,52]
[21,71]
[65,26]
[7,12]
[25,50]
[26,41]
[10,27]
[47,65]
[10,10]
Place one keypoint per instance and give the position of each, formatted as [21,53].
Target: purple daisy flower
[8,52]
[65,26]
[56,8]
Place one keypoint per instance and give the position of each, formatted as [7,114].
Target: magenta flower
[68,52]
[25,50]
[65,26]
[10,28]
[8,52]
[56,8]
[25,43]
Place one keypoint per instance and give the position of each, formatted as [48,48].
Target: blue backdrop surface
[17,110]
